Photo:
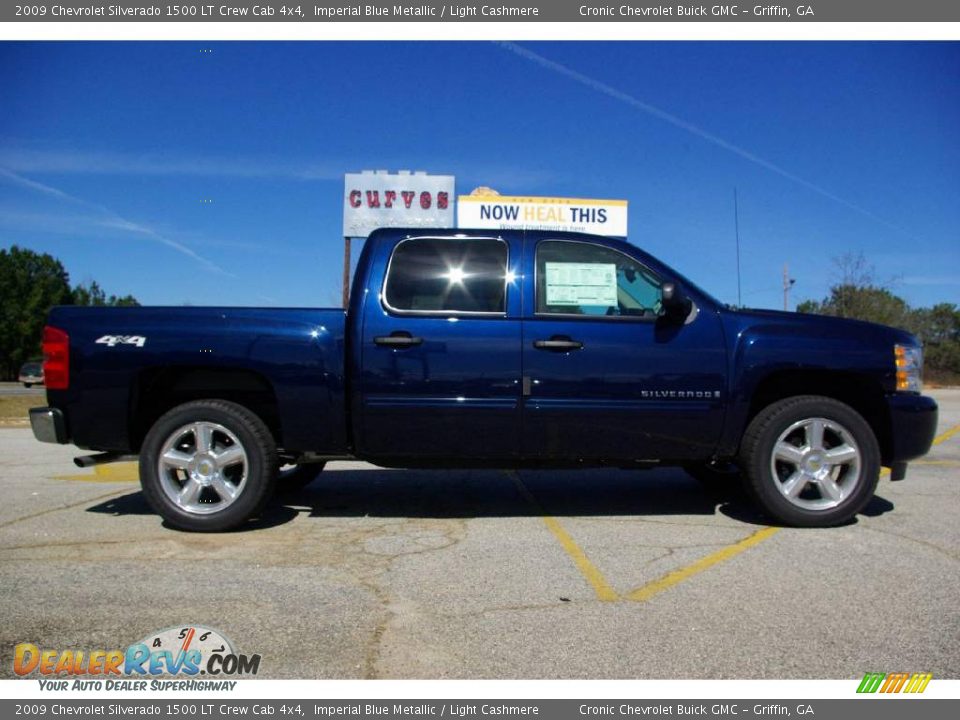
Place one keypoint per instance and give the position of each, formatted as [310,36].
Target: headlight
[909,361]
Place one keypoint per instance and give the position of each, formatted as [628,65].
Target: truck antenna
[736,227]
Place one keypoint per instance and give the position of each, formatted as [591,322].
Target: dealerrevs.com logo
[179,652]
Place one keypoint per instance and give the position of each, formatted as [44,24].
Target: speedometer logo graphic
[182,639]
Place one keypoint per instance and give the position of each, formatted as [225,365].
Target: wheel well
[864,395]
[162,389]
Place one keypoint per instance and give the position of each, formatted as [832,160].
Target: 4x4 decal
[114,340]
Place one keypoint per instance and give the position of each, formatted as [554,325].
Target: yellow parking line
[670,579]
[124,472]
[589,571]
[946,435]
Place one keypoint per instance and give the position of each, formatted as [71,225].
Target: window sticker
[581,283]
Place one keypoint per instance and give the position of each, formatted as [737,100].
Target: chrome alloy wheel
[202,467]
[816,464]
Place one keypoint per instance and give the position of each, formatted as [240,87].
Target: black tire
[28,385]
[259,465]
[766,478]
[297,477]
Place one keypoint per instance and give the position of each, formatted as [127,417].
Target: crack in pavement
[41,513]
[453,532]
[927,543]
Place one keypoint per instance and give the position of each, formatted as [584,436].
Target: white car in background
[31,374]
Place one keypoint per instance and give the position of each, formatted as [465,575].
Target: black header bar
[579,11]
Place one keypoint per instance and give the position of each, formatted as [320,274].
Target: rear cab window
[444,276]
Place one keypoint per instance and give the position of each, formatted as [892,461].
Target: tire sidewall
[261,464]
[771,423]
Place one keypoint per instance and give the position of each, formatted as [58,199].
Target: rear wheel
[208,465]
[810,461]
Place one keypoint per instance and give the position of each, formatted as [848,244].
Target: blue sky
[108,150]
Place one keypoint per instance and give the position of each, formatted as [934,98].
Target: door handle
[399,339]
[558,344]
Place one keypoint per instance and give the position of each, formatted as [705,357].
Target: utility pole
[787,284]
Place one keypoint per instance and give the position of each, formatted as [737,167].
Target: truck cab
[531,349]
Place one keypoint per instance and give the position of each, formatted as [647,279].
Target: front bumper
[48,425]
[913,425]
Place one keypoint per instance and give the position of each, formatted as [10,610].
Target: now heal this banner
[501,212]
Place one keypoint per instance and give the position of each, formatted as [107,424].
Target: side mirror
[675,302]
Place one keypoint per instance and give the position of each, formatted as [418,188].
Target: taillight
[56,358]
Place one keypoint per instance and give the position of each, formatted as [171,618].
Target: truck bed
[128,365]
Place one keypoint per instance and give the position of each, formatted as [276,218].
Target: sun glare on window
[455,275]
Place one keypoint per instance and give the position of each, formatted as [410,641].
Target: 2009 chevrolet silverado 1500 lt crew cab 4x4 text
[502,349]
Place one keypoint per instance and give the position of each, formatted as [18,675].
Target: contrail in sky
[111,219]
[679,122]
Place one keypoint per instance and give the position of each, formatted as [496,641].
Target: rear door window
[447,275]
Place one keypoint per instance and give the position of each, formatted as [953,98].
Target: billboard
[501,212]
[376,198]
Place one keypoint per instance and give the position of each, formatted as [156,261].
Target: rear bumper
[913,425]
[48,425]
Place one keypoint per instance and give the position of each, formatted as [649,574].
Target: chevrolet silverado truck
[508,349]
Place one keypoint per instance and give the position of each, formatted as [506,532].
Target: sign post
[375,199]
[347,257]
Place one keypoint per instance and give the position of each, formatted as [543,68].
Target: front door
[606,375]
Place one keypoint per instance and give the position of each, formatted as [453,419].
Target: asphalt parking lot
[487,574]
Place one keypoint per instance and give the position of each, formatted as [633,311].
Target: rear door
[441,351]
[606,375]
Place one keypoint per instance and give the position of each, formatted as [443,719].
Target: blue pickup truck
[501,349]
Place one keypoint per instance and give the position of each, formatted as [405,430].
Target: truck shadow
[465,494]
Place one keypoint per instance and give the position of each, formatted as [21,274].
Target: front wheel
[28,385]
[810,461]
[208,465]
